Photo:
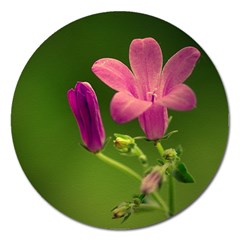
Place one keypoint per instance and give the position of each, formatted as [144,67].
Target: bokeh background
[46,136]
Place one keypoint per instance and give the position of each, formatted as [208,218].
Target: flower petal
[124,107]
[145,56]
[154,121]
[71,95]
[115,74]
[72,99]
[97,139]
[179,67]
[181,98]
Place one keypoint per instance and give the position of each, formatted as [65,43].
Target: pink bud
[84,104]
[151,182]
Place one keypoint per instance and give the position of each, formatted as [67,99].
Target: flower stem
[171,194]
[118,165]
[147,207]
[160,148]
[161,202]
[133,174]
[141,156]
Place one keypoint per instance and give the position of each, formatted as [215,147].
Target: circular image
[120,120]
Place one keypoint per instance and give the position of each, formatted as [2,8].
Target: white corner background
[24,25]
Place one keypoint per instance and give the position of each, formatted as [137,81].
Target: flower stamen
[153,94]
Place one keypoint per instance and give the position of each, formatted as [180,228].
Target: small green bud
[123,142]
[122,210]
[170,154]
[126,209]
[127,146]
[119,212]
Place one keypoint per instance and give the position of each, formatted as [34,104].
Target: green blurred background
[46,136]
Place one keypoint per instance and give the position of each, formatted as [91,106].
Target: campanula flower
[84,105]
[148,90]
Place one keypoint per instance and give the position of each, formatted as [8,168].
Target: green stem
[160,148]
[171,195]
[161,202]
[131,173]
[118,165]
[141,156]
[146,207]
[170,183]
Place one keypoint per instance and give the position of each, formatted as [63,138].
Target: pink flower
[148,90]
[84,105]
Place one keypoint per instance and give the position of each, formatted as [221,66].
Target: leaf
[182,175]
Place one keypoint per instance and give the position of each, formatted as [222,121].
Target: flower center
[153,94]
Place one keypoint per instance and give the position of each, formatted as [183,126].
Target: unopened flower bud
[123,142]
[84,105]
[151,182]
[170,154]
[121,210]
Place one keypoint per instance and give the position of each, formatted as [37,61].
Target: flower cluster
[145,92]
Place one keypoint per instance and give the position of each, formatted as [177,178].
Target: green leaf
[182,175]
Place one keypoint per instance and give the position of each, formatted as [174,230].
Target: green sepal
[168,135]
[181,174]
[140,138]
[106,143]
[83,146]
[124,136]
[126,218]
[161,162]
[140,197]
[179,150]
[127,151]
[147,171]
